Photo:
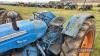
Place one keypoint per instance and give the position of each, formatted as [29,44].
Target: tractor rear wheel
[81,45]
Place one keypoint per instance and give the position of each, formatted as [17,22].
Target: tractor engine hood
[28,32]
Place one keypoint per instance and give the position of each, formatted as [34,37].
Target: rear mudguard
[75,24]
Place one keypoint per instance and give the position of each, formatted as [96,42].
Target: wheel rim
[87,43]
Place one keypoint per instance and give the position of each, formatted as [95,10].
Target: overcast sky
[29,0]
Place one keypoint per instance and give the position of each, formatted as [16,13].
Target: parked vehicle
[45,35]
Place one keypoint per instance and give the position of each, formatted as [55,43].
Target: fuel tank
[29,31]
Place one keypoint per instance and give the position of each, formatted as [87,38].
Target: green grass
[26,13]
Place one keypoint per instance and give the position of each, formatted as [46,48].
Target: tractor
[59,6]
[85,7]
[44,35]
[70,5]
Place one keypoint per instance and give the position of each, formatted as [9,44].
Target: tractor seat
[58,21]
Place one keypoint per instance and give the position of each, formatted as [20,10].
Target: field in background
[26,13]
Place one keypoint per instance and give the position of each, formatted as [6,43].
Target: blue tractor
[44,35]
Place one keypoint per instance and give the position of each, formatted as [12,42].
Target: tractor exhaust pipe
[12,15]
[14,25]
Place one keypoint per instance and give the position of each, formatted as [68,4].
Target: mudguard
[75,24]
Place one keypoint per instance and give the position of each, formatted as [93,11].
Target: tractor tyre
[81,45]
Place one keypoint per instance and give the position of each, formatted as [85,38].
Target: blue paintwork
[35,30]
[32,51]
[75,24]
[47,16]
[50,15]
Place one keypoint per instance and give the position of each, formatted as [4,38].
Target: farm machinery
[85,7]
[59,6]
[70,5]
[66,5]
[44,35]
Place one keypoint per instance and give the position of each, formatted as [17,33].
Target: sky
[28,0]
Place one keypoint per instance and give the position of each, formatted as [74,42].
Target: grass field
[26,13]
